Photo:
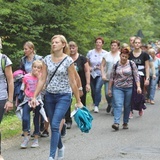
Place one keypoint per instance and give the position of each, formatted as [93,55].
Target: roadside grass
[88,102]
[12,126]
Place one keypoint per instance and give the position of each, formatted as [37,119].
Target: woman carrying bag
[121,87]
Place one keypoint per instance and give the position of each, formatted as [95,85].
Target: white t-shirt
[3,82]
[95,59]
[110,61]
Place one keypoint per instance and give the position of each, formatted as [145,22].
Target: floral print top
[60,81]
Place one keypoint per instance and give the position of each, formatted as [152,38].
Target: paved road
[140,142]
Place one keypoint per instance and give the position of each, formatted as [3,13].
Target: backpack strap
[130,62]
[3,62]
[115,68]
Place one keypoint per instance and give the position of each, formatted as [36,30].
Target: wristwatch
[80,88]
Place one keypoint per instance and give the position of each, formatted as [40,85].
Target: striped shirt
[122,77]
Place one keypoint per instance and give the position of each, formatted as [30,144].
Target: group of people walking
[126,71]
[129,74]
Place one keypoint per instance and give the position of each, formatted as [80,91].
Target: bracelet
[9,101]
[80,88]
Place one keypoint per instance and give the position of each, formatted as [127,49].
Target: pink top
[158,55]
[18,72]
[30,83]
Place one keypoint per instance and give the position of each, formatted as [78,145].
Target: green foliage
[10,125]
[78,20]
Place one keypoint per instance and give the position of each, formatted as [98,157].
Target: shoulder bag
[56,69]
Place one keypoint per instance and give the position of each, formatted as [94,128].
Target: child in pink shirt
[30,81]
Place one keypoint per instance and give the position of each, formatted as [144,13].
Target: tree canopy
[78,20]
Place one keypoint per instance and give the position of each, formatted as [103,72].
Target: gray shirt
[3,81]
[110,61]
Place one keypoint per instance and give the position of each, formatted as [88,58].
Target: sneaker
[23,134]
[63,131]
[152,102]
[115,126]
[108,108]
[69,124]
[45,133]
[35,144]
[147,101]
[25,143]
[125,126]
[141,113]
[33,134]
[96,110]
[130,115]
[60,154]
[50,158]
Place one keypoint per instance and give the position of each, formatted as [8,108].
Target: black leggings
[2,103]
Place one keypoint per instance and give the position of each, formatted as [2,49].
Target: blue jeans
[26,118]
[108,99]
[56,107]
[152,88]
[121,97]
[96,86]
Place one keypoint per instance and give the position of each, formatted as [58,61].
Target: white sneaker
[50,158]
[96,110]
[60,154]
[130,115]
[35,144]
[25,143]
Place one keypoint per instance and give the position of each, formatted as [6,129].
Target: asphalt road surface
[140,142]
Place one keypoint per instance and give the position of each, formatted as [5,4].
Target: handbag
[56,69]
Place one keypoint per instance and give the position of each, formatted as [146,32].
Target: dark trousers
[2,103]
[68,118]
[68,113]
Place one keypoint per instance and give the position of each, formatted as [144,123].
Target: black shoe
[115,126]
[125,126]
[45,133]
[23,134]
[69,125]
[33,134]
[63,131]
[108,108]
[42,126]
